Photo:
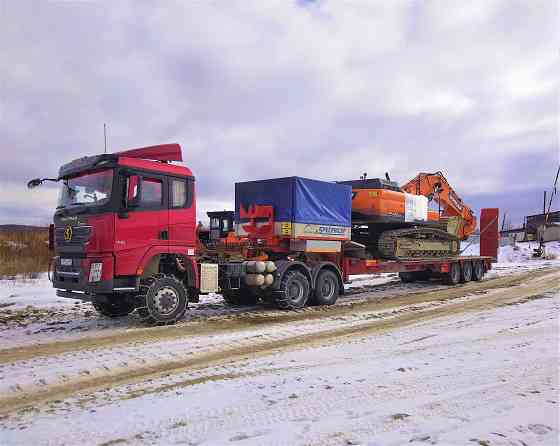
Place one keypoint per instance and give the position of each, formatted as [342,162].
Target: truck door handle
[164,235]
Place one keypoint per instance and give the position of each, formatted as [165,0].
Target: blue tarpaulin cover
[298,200]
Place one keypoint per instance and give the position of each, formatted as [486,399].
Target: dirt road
[35,374]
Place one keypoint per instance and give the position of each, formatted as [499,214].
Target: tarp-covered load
[303,208]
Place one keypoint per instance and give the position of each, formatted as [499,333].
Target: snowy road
[475,364]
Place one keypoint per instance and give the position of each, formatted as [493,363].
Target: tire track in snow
[441,303]
[268,318]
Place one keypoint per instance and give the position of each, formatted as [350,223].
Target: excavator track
[417,242]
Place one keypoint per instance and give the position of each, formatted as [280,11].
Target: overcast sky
[267,88]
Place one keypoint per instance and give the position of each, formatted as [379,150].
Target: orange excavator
[394,222]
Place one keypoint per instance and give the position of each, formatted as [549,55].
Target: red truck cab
[120,218]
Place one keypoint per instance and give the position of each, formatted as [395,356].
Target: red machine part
[489,235]
[255,213]
[162,152]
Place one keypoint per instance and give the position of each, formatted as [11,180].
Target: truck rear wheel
[117,307]
[478,271]
[454,275]
[466,272]
[327,288]
[239,297]
[293,292]
[165,299]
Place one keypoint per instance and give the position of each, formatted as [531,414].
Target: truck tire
[466,272]
[454,275]
[407,277]
[239,297]
[478,271]
[164,298]
[327,288]
[118,307]
[293,292]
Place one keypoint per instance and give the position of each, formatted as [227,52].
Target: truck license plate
[66,262]
[95,272]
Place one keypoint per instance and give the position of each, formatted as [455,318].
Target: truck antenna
[105,135]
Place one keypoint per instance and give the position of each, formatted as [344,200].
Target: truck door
[144,224]
[182,214]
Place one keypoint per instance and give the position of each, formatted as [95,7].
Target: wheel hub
[166,300]
[327,288]
[294,291]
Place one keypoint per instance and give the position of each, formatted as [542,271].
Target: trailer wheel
[454,275]
[164,298]
[293,292]
[478,271]
[239,297]
[407,277]
[466,272]
[327,288]
[113,308]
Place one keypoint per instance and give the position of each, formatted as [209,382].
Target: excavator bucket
[489,234]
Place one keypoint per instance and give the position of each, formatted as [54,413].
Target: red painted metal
[489,234]
[162,152]
[352,266]
[253,213]
[172,169]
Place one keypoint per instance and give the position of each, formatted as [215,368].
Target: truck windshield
[91,188]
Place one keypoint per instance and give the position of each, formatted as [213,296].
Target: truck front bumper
[75,280]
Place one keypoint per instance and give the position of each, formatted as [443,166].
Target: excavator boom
[435,186]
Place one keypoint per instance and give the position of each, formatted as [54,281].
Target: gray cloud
[325,89]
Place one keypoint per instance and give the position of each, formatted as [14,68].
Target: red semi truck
[125,238]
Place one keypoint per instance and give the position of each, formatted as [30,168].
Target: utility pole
[105,137]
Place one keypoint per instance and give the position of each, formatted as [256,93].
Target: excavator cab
[221,224]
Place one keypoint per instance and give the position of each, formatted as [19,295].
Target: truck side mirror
[34,183]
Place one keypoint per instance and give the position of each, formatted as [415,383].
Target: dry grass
[24,253]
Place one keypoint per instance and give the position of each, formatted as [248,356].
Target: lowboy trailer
[124,238]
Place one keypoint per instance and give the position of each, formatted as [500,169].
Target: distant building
[534,229]
[539,227]
[534,222]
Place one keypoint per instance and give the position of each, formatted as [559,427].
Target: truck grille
[80,235]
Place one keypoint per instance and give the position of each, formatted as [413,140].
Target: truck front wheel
[164,299]
[112,306]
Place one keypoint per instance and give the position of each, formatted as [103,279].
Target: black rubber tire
[239,297]
[407,277]
[118,306]
[454,275]
[466,272]
[151,311]
[423,276]
[478,271]
[327,288]
[285,297]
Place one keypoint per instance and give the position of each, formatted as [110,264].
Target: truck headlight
[95,272]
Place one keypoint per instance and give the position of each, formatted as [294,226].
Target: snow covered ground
[390,364]
[482,378]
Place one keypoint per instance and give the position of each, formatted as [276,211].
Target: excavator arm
[435,186]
